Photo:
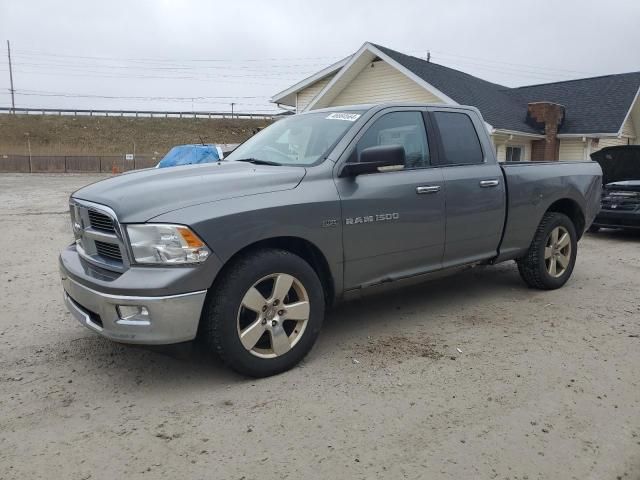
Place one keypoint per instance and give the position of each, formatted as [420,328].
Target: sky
[204,55]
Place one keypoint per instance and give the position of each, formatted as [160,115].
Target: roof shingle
[593,105]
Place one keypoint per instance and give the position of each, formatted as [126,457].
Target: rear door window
[460,142]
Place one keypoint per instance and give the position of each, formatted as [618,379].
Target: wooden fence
[74,163]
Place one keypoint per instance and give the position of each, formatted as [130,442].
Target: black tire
[594,229]
[219,324]
[532,266]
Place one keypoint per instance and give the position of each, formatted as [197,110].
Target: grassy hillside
[66,135]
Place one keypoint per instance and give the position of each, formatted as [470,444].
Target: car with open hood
[620,207]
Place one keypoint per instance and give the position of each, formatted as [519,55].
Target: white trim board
[588,135]
[515,133]
[626,117]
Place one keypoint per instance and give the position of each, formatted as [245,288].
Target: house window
[514,154]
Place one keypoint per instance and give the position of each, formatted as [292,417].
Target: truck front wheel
[265,312]
[551,257]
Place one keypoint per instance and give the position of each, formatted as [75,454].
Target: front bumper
[611,219]
[171,318]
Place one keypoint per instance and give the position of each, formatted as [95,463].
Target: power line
[504,70]
[530,70]
[162,60]
[176,67]
[171,74]
[94,74]
[127,72]
[170,66]
[529,66]
[512,71]
[484,61]
[132,97]
[201,100]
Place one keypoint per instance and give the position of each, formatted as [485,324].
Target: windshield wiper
[257,161]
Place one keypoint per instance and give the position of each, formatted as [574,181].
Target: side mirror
[373,158]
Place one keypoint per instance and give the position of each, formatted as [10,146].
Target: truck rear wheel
[264,314]
[549,262]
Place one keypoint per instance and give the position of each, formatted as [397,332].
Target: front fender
[228,226]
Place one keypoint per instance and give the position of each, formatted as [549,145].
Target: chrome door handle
[428,189]
[489,183]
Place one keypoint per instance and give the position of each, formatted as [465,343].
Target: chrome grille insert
[108,250]
[100,221]
[99,238]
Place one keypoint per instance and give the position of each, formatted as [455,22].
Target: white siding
[306,95]
[609,142]
[572,149]
[380,82]
[501,143]
[628,129]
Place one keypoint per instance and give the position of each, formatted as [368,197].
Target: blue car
[191,154]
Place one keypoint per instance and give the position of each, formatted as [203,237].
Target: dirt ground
[469,376]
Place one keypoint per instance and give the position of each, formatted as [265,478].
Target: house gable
[380,82]
[364,57]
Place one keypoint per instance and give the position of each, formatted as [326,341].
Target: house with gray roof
[566,120]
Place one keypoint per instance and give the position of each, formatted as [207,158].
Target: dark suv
[621,192]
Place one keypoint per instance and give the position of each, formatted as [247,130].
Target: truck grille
[620,201]
[98,235]
[108,250]
[629,207]
[100,221]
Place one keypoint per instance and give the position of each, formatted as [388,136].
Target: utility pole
[232,104]
[13,101]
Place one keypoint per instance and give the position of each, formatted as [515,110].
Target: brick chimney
[547,117]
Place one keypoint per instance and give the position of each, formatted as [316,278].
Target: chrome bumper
[170,319]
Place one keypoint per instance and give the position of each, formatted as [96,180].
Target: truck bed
[532,187]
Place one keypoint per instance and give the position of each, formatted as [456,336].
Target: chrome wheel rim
[273,315]
[557,252]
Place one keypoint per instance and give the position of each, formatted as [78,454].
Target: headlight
[166,244]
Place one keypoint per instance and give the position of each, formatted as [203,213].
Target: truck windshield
[301,140]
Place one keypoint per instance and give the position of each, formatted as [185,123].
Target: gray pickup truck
[247,253]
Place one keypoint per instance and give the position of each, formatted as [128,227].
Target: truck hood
[139,196]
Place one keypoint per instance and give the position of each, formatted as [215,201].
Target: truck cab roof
[375,107]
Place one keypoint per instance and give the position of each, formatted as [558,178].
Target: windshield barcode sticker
[349,117]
